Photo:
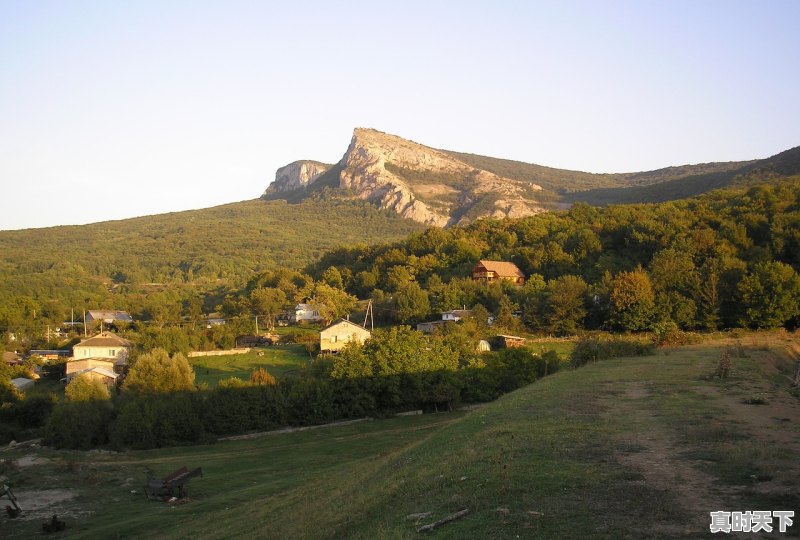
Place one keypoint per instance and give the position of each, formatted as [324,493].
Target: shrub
[155,421]
[85,388]
[82,424]
[262,376]
[724,365]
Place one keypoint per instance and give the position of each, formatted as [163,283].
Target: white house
[337,335]
[106,351]
[456,315]
[306,313]
[104,345]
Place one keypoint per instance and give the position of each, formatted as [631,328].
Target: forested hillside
[145,263]
[728,258]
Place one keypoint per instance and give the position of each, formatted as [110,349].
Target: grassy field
[278,360]
[625,448]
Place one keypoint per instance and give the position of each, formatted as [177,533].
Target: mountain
[443,187]
[414,181]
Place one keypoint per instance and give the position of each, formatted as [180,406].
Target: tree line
[726,259]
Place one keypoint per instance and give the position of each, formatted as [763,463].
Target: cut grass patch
[277,360]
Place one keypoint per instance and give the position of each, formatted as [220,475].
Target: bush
[243,409]
[85,388]
[81,425]
[155,421]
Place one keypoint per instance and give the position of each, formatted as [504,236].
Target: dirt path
[657,456]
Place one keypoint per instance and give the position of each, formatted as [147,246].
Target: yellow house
[338,334]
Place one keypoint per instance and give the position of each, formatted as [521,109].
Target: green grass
[277,360]
[556,459]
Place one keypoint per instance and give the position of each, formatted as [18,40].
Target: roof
[11,357]
[458,312]
[306,307]
[104,339]
[346,323]
[97,369]
[502,268]
[20,383]
[510,337]
[114,314]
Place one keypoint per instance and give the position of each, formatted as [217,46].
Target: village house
[456,315]
[103,356]
[107,316]
[338,334]
[491,271]
[306,313]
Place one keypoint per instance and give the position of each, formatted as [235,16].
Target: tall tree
[156,372]
[266,303]
[769,295]
[632,300]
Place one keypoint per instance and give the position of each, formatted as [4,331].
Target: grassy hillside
[626,448]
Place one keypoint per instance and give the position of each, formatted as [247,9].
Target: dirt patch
[30,461]
[43,504]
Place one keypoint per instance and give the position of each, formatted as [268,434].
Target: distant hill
[443,187]
[696,182]
[214,248]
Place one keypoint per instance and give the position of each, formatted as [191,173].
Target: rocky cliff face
[297,175]
[418,182]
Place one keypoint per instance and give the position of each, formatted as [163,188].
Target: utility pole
[369,314]
[256,324]
[85,332]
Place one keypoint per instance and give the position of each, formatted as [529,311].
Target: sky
[110,110]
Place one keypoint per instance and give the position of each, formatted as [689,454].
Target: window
[112,353]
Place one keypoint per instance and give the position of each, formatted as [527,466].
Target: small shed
[510,342]
[429,327]
[22,384]
[483,346]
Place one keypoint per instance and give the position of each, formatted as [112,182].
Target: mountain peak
[418,182]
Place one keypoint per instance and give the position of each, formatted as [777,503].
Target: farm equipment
[172,485]
[13,510]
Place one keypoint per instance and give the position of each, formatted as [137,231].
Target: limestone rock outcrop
[297,175]
[416,182]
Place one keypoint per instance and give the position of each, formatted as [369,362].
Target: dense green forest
[725,259]
[144,264]
[729,258]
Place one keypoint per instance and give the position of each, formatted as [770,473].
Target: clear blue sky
[118,109]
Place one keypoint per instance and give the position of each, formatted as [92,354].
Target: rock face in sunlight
[416,182]
[296,176]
